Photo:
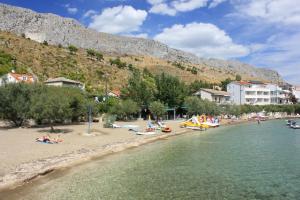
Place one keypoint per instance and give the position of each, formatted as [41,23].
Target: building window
[24,78]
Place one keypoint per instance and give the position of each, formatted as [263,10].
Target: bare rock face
[65,31]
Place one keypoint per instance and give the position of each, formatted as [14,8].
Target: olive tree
[157,109]
[194,105]
[15,103]
[50,106]
[124,109]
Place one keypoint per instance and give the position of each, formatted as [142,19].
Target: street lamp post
[89,118]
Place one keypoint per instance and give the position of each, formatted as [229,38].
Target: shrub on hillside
[92,53]
[72,49]
[45,43]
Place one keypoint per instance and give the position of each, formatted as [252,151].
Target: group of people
[49,140]
[210,119]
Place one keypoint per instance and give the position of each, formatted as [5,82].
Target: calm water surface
[241,162]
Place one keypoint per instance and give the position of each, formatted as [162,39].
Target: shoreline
[27,172]
[30,171]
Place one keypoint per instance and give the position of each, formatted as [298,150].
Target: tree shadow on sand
[56,131]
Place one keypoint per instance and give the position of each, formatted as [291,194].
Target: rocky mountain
[65,31]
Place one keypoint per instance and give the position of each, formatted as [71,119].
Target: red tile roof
[23,77]
[116,92]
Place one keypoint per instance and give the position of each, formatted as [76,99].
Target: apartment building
[255,93]
[220,97]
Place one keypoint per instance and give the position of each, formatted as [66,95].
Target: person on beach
[49,140]
[57,139]
[45,139]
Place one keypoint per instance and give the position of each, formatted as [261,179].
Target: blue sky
[264,33]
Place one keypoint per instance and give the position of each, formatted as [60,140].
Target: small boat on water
[294,125]
[289,122]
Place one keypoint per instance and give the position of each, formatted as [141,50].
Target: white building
[255,93]
[217,96]
[17,78]
[64,82]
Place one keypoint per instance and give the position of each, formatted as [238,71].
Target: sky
[264,33]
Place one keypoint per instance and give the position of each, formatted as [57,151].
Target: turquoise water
[239,162]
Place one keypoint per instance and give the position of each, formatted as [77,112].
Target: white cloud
[89,13]
[168,7]
[204,40]
[163,9]
[71,10]
[153,2]
[215,3]
[281,52]
[140,35]
[280,11]
[188,5]
[120,19]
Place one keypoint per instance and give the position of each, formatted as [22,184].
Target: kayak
[146,133]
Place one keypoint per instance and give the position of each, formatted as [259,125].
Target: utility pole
[106,88]
[89,119]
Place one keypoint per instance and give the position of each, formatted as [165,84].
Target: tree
[15,103]
[50,106]
[157,109]
[45,43]
[197,85]
[194,105]
[225,83]
[72,49]
[7,63]
[238,77]
[292,98]
[124,109]
[235,110]
[170,90]
[77,102]
[141,88]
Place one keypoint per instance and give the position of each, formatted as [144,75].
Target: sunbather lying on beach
[49,140]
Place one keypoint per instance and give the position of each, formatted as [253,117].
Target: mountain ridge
[57,30]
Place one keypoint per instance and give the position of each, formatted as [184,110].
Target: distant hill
[49,61]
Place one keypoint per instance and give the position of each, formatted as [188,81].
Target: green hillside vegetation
[90,66]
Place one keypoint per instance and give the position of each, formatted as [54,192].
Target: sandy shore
[23,159]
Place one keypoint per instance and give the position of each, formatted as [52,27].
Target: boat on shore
[146,133]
